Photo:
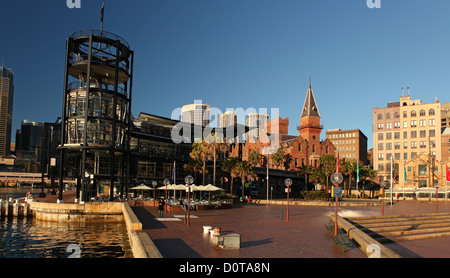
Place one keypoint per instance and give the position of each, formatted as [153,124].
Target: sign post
[288,183]
[336,179]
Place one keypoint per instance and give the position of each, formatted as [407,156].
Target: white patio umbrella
[210,188]
[142,187]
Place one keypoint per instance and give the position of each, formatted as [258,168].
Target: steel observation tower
[96,116]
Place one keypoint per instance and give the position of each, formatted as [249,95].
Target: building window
[431,112]
[380,136]
[423,134]
[422,170]
[380,116]
[413,134]
[300,147]
[413,145]
[422,112]
[432,122]
[423,144]
[413,113]
[432,133]
[413,123]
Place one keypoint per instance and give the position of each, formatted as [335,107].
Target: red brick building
[303,149]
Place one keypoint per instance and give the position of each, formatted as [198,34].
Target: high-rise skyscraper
[6,108]
[197,114]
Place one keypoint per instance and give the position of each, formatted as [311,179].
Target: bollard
[216,236]
[216,231]
[206,229]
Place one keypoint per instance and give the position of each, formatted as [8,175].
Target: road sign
[337,191]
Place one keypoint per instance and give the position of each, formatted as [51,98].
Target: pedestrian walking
[161,204]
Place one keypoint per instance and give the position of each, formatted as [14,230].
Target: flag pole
[392,181]
[102,16]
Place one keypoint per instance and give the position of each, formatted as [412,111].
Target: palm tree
[318,176]
[215,145]
[306,170]
[227,167]
[346,170]
[200,152]
[244,171]
[254,158]
[328,165]
[278,157]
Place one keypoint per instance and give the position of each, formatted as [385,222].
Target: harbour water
[31,238]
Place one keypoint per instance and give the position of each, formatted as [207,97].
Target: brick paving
[265,235]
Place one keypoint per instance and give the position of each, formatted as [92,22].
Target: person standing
[161,204]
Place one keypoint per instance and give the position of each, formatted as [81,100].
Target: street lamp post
[154,183]
[166,183]
[288,183]
[437,199]
[189,180]
[383,184]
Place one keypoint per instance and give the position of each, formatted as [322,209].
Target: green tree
[227,167]
[215,146]
[244,171]
[328,166]
[201,152]
[254,158]
[278,157]
[306,170]
[318,176]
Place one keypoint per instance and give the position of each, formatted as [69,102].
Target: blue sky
[241,53]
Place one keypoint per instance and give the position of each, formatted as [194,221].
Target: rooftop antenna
[408,90]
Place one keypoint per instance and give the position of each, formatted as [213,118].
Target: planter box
[205,207]
[225,206]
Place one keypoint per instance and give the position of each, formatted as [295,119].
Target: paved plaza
[265,235]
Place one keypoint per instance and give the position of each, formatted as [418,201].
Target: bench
[343,240]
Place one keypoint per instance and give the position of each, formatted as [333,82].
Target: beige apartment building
[351,144]
[409,136]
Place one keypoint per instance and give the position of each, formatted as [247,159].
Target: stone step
[399,224]
[413,237]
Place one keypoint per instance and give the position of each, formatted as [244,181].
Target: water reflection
[31,238]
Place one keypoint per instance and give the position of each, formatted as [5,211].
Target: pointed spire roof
[310,106]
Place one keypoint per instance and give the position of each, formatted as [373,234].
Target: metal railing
[99,33]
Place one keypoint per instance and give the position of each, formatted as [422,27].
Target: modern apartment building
[408,135]
[257,122]
[6,109]
[197,114]
[351,144]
